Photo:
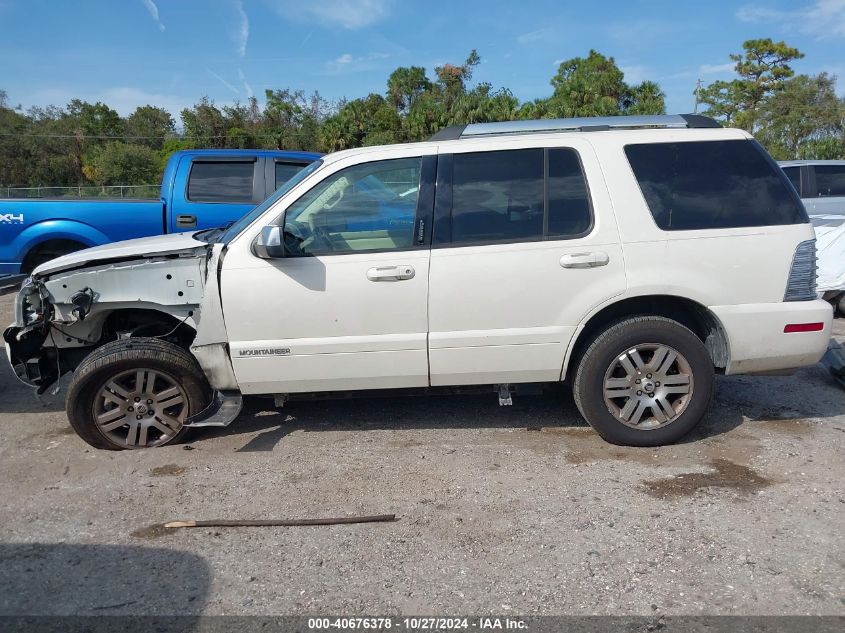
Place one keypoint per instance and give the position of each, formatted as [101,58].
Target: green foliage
[803,118]
[595,86]
[762,69]
[82,143]
[117,163]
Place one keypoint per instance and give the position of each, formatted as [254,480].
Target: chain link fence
[111,191]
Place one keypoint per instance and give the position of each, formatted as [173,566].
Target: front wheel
[135,393]
[645,381]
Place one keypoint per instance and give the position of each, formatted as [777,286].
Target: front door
[523,249]
[347,307]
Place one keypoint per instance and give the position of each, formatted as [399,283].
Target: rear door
[522,250]
[212,190]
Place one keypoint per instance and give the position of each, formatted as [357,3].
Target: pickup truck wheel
[135,393]
[46,251]
[645,381]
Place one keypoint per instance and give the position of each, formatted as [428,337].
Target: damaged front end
[69,308]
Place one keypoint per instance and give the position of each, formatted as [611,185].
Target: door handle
[584,260]
[186,221]
[391,273]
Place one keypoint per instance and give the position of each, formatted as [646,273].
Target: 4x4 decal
[11,218]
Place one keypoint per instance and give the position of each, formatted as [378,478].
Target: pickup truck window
[285,171]
[234,230]
[830,180]
[221,182]
[361,208]
[713,185]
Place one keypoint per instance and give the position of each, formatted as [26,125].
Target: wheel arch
[689,313]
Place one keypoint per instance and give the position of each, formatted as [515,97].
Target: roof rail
[582,124]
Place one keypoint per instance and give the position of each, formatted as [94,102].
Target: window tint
[497,196]
[286,171]
[713,184]
[221,182]
[360,208]
[830,180]
[569,202]
[794,175]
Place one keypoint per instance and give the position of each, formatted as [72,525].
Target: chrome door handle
[391,273]
[584,260]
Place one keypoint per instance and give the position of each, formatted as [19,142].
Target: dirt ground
[520,509]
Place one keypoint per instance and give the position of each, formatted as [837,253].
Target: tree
[762,68]
[405,85]
[595,86]
[205,125]
[152,123]
[804,118]
[117,163]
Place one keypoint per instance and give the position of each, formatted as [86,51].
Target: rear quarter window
[713,185]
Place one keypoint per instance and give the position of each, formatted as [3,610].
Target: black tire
[106,363]
[602,354]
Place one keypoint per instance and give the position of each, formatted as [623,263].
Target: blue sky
[172,52]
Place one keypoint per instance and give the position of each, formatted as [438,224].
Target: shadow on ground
[737,399]
[56,579]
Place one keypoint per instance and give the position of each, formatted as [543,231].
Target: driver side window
[365,207]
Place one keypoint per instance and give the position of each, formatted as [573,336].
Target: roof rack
[582,124]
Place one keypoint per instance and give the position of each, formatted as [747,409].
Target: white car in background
[630,257]
[821,185]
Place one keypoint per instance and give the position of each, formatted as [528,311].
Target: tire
[150,385]
[611,386]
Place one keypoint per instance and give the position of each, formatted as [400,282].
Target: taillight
[801,285]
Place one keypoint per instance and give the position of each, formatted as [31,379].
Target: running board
[221,412]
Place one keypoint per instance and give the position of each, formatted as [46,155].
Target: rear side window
[830,180]
[497,196]
[221,182]
[286,171]
[518,195]
[569,202]
[713,185]
[794,175]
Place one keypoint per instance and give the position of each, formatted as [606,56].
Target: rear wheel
[645,381]
[135,393]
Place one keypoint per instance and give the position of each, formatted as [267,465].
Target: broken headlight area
[30,306]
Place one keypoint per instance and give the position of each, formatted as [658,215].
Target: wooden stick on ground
[378,518]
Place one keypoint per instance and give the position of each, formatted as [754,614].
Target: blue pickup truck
[200,189]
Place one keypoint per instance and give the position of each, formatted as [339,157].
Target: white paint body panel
[343,330]
[505,312]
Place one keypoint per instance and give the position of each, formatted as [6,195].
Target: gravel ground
[518,509]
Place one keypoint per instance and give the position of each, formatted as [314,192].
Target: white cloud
[348,62]
[822,19]
[241,35]
[223,81]
[716,69]
[534,36]
[153,10]
[347,14]
[245,84]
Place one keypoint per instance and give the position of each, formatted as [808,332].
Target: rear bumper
[756,338]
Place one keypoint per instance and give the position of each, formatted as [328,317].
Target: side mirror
[269,243]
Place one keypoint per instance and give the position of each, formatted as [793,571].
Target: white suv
[632,257]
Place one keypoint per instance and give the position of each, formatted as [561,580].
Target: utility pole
[697,95]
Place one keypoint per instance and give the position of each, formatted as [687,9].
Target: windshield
[232,231]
